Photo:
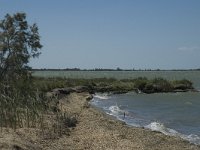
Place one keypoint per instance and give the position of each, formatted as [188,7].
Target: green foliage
[113,85]
[140,83]
[182,84]
[19,41]
[19,100]
[161,85]
[47,84]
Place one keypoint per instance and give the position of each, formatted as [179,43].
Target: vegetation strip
[144,85]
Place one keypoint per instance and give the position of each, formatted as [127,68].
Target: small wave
[156,126]
[192,138]
[103,96]
[115,109]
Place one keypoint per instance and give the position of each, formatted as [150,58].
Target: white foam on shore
[115,110]
[156,126]
[192,138]
[136,121]
[101,96]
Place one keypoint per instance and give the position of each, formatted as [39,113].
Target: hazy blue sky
[143,34]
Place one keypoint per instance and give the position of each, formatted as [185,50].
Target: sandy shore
[95,131]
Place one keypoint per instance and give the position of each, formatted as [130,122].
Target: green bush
[140,83]
[161,85]
[182,84]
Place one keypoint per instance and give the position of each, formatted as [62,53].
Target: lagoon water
[176,114]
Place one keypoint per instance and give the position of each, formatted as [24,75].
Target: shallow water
[176,114]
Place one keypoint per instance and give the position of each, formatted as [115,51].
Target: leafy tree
[19,42]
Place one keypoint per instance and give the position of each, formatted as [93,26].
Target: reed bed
[17,111]
[34,110]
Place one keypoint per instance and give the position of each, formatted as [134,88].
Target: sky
[140,34]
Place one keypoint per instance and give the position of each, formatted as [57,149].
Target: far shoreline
[99,69]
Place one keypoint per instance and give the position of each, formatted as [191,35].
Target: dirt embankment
[94,130]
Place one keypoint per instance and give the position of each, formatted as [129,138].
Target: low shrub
[140,83]
[182,84]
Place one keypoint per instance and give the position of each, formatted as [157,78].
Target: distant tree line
[117,69]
